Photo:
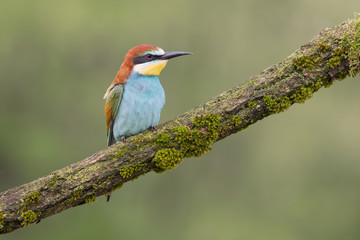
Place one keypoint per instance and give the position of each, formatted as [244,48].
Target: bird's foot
[108,195]
[152,128]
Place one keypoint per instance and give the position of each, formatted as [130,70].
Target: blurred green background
[293,175]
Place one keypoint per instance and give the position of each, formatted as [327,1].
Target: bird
[135,98]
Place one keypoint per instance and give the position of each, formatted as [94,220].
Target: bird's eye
[149,56]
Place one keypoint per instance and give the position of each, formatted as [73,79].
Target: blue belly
[140,106]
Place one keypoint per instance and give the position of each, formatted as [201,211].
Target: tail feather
[110,138]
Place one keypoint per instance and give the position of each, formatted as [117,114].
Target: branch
[332,55]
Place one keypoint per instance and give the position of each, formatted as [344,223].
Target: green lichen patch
[198,141]
[313,60]
[305,62]
[28,218]
[251,104]
[342,55]
[52,183]
[168,158]
[210,121]
[277,104]
[75,196]
[120,153]
[127,171]
[232,121]
[163,139]
[334,62]
[90,199]
[33,198]
[194,142]
[301,95]
[236,121]
[189,142]
[324,47]
[2,220]
[350,44]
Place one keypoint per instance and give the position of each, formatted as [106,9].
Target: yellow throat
[150,68]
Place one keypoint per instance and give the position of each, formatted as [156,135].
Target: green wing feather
[113,98]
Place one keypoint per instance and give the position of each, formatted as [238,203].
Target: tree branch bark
[331,55]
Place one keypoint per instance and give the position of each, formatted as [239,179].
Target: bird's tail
[110,136]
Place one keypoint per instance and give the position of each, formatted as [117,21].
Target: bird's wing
[113,98]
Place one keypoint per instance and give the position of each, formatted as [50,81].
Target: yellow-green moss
[76,196]
[33,198]
[162,139]
[324,47]
[301,95]
[191,142]
[128,171]
[305,62]
[277,104]
[198,141]
[319,83]
[251,104]
[120,153]
[2,220]
[334,62]
[28,218]
[90,199]
[54,180]
[347,50]
[168,158]
[210,121]
[350,44]
[236,121]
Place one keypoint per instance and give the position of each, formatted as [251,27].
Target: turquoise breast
[140,106]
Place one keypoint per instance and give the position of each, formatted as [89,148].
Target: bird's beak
[169,55]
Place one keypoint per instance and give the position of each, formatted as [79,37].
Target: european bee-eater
[135,98]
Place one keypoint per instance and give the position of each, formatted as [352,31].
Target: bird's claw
[108,195]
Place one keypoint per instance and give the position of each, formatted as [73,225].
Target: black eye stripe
[144,59]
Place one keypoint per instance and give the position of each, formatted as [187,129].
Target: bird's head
[146,60]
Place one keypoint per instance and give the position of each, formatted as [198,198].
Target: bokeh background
[294,175]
